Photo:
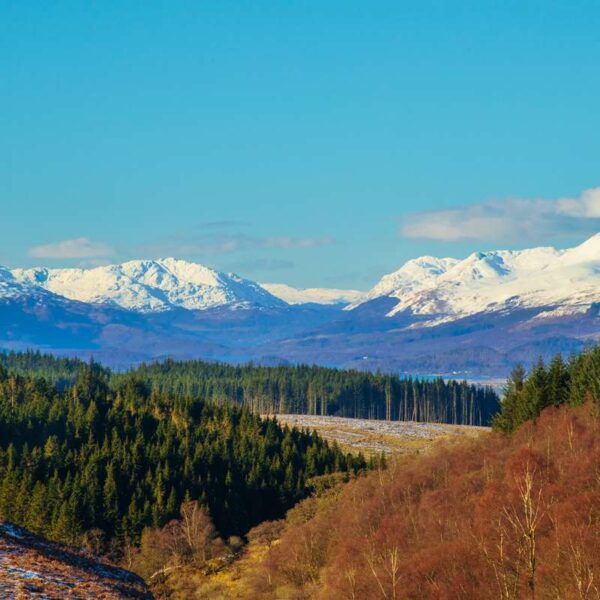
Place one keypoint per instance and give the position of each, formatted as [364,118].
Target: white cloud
[264,264]
[586,206]
[82,247]
[513,219]
[90,263]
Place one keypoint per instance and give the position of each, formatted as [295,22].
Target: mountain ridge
[442,287]
[493,281]
[460,317]
[150,286]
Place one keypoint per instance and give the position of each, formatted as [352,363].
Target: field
[374,436]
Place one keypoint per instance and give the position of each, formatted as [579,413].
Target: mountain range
[473,317]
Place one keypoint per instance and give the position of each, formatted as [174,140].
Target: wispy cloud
[262,264]
[513,219]
[82,248]
[90,263]
[291,242]
[226,243]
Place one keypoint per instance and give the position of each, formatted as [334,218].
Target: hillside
[31,567]
[203,499]
[494,517]
[119,459]
[510,514]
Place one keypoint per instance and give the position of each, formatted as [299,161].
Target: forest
[204,498]
[110,459]
[507,516]
[569,382]
[292,389]
[513,514]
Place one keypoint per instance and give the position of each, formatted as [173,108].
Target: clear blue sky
[296,141]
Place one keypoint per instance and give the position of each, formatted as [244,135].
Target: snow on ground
[31,567]
[375,436]
[293,295]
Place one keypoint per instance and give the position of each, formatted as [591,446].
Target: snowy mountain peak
[293,295]
[413,275]
[151,286]
[447,289]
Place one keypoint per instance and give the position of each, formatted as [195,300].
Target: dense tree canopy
[117,457]
[318,390]
[527,394]
[292,389]
[500,517]
[61,371]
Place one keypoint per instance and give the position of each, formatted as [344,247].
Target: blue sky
[315,143]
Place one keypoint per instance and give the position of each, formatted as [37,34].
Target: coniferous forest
[170,470]
[560,382]
[119,457]
[292,389]
[158,466]
[317,390]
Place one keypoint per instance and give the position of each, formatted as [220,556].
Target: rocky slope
[31,567]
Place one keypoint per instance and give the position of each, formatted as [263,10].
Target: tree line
[316,390]
[298,389]
[570,382]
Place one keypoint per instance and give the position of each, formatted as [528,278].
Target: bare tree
[525,519]
[198,532]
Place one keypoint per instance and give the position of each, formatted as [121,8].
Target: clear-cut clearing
[376,436]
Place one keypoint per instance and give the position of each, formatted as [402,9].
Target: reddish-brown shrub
[501,517]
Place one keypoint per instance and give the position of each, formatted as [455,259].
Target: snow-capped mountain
[558,281]
[149,286]
[412,276]
[475,317]
[11,288]
[293,295]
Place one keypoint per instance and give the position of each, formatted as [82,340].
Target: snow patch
[12,530]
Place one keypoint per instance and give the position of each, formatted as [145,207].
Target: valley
[299,301]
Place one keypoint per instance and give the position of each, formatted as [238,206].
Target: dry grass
[229,582]
[31,567]
[373,436]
